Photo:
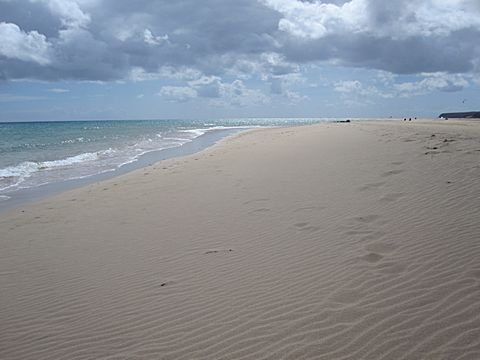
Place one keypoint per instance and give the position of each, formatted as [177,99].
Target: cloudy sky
[149,59]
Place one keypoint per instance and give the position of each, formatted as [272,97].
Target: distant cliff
[458,115]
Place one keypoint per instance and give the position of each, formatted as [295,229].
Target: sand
[332,241]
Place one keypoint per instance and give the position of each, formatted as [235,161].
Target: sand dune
[333,241]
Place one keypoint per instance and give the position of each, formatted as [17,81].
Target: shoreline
[325,241]
[26,196]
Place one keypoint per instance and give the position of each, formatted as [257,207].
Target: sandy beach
[330,241]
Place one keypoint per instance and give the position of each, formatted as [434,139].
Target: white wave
[177,139]
[106,153]
[68,161]
[197,132]
[19,173]
[23,169]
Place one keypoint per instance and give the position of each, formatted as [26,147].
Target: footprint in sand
[377,251]
[372,257]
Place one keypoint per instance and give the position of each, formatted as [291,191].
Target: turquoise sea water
[38,153]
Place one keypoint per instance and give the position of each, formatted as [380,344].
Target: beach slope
[331,241]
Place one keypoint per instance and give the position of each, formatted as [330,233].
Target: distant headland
[461,115]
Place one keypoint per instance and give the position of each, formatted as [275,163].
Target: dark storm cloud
[402,56]
[402,36]
[30,16]
[106,40]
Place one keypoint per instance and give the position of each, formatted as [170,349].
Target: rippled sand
[333,241]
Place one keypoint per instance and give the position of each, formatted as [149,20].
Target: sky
[159,59]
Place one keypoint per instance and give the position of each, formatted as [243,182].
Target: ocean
[36,154]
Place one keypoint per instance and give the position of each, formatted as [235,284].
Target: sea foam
[15,175]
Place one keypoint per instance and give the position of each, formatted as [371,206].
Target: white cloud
[348,86]
[316,19]
[204,80]
[356,88]
[59,90]
[275,64]
[476,79]
[432,82]
[385,77]
[126,27]
[151,39]
[177,93]
[441,17]
[139,74]
[237,94]
[121,39]
[397,20]
[221,93]
[180,73]
[207,86]
[69,11]
[26,46]
[295,97]
[169,72]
